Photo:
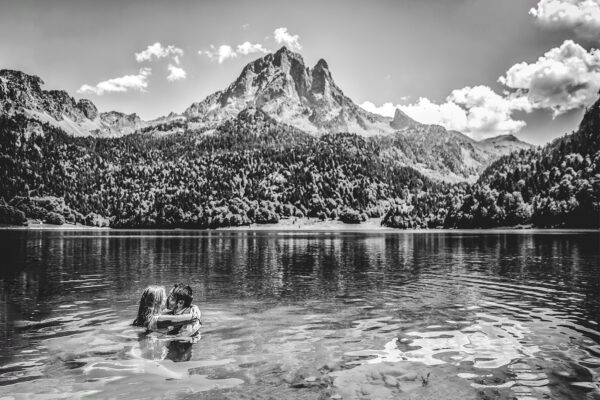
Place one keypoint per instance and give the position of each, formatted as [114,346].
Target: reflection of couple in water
[173,316]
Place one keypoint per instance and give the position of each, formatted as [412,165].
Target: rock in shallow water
[360,382]
[390,381]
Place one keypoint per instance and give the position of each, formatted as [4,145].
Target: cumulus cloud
[248,48]
[563,79]
[175,73]
[580,16]
[219,54]
[488,112]
[386,109]
[156,51]
[225,51]
[282,36]
[125,83]
[476,111]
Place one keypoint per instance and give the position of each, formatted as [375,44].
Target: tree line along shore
[253,172]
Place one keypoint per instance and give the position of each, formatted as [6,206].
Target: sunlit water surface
[514,310]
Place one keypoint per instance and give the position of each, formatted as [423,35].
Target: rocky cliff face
[290,92]
[21,93]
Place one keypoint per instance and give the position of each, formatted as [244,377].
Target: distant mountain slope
[557,185]
[21,93]
[504,144]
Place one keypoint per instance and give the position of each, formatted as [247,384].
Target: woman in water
[150,312]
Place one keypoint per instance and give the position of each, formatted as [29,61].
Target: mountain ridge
[284,87]
[21,93]
[291,94]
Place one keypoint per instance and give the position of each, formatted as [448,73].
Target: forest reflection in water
[482,299]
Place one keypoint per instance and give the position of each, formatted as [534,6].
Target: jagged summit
[402,121]
[286,89]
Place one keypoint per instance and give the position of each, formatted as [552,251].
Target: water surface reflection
[516,312]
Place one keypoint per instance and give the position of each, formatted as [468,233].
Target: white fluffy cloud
[157,51]
[488,112]
[175,73]
[225,51]
[563,79]
[477,111]
[122,84]
[449,114]
[249,48]
[282,36]
[386,109]
[580,16]
[219,54]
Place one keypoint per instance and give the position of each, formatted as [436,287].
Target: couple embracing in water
[172,314]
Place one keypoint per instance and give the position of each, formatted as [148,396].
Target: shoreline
[299,225]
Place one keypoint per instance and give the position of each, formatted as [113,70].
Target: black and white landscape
[369,200]
[281,141]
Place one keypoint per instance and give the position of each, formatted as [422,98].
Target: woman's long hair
[152,303]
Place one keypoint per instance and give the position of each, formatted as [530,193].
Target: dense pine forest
[254,170]
[557,185]
[250,170]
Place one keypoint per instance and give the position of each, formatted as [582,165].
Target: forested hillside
[250,170]
[557,185]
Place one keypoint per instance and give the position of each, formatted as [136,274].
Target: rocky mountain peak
[401,120]
[281,85]
[21,93]
[321,64]
[21,79]
[284,57]
[87,108]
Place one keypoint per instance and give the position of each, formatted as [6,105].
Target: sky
[483,67]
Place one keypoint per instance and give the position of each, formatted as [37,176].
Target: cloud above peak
[283,37]
[580,16]
[476,111]
[248,48]
[121,84]
[225,51]
[220,54]
[156,51]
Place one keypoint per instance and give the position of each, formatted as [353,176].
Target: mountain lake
[487,314]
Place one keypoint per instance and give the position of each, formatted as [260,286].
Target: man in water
[179,302]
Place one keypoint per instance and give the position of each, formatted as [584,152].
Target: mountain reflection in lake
[514,314]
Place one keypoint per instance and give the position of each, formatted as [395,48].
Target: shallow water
[514,312]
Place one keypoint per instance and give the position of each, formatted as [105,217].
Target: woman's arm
[185,318]
[167,320]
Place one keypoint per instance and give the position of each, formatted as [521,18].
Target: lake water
[502,314]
